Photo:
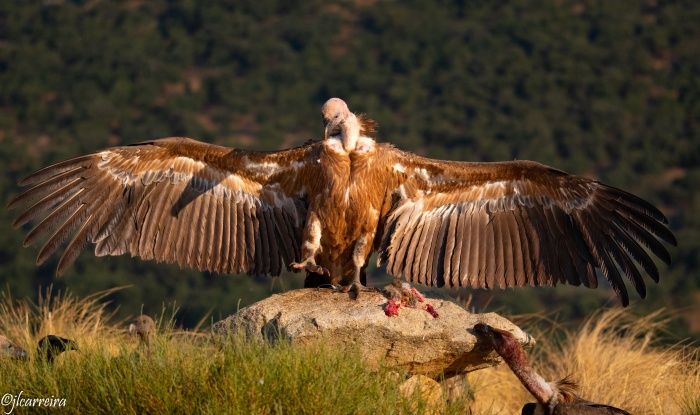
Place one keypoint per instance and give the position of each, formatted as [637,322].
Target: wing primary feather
[586,259]
[385,251]
[48,202]
[490,254]
[482,245]
[433,247]
[296,241]
[628,268]
[240,251]
[403,242]
[253,240]
[155,233]
[498,249]
[183,231]
[549,235]
[543,259]
[148,224]
[460,259]
[462,247]
[603,261]
[167,224]
[274,253]
[438,266]
[559,242]
[262,242]
[217,246]
[635,251]
[107,238]
[74,248]
[56,169]
[527,275]
[228,235]
[577,265]
[58,214]
[513,251]
[469,265]
[415,246]
[453,249]
[196,227]
[286,241]
[634,202]
[207,241]
[60,235]
[427,251]
[86,233]
[405,235]
[650,225]
[644,237]
[47,187]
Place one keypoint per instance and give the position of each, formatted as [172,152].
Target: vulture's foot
[310,266]
[354,289]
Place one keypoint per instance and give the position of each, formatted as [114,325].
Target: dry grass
[187,371]
[86,319]
[614,358]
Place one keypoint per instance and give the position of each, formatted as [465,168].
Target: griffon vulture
[325,206]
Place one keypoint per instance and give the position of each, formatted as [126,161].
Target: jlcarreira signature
[10,402]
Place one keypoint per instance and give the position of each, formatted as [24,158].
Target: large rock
[429,390]
[413,340]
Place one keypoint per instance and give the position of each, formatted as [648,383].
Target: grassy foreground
[612,357]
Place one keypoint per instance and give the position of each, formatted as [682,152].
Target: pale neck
[350,131]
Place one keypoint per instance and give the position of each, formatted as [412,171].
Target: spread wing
[516,223]
[175,200]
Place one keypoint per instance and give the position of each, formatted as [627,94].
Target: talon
[355,289]
[317,269]
[310,266]
[297,266]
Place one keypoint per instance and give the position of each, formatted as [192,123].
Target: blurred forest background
[599,88]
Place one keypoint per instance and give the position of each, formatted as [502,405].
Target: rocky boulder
[414,340]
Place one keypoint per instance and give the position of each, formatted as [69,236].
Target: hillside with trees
[604,89]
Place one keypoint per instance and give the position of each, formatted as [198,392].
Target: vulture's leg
[359,257]
[312,243]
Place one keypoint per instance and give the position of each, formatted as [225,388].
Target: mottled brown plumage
[553,398]
[11,350]
[326,206]
[145,328]
[51,346]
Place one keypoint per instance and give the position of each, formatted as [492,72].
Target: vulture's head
[51,346]
[334,112]
[144,327]
[11,350]
[503,342]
